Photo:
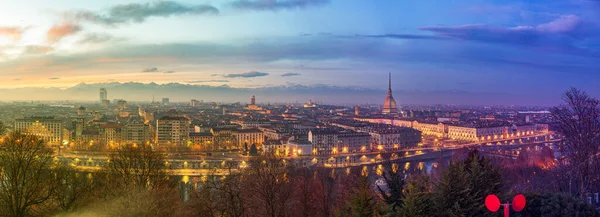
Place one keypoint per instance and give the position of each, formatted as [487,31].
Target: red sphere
[492,203]
[519,203]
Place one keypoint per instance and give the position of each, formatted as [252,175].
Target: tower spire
[390,84]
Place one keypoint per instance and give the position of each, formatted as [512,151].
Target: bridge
[196,165]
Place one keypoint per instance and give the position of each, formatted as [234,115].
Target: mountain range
[136,91]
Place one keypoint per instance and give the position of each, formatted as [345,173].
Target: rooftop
[174,118]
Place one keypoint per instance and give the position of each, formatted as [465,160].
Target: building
[103,95]
[121,104]
[388,139]
[48,129]
[356,111]
[249,137]
[172,131]
[223,137]
[202,141]
[253,100]
[79,126]
[194,103]
[252,123]
[110,135]
[136,132]
[81,111]
[323,140]
[353,142]
[105,103]
[165,101]
[310,104]
[91,140]
[389,105]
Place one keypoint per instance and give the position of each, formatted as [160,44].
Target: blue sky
[519,47]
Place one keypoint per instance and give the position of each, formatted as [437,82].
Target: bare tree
[267,187]
[328,192]
[137,165]
[220,197]
[579,123]
[306,192]
[26,179]
[72,188]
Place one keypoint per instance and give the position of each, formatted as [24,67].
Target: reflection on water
[188,183]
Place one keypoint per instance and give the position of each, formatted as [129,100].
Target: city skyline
[520,50]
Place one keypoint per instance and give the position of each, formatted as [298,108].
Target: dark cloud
[59,31]
[207,81]
[276,5]
[96,38]
[214,74]
[54,78]
[289,74]
[169,72]
[150,69]
[136,12]
[247,75]
[562,35]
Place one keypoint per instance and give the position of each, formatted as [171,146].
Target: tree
[26,178]
[579,123]
[417,197]
[253,150]
[73,188]
[555,205]
[394,180]
[306,192]
[137,165]
[362,201]
[462,188]
[219,197]
[267,186]
[246,147]
[2,128]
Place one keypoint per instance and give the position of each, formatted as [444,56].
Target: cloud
[399,36]
[247,75]
[59,31]
[12,33]
[136,12]
[276,5]
[36,50]
[150,69]
[96,38]
[289,74]
[54,78]
[16,79]
[563,35]
[207,81]
[214,74]
[169,72]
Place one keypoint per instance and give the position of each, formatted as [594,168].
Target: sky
[533,47]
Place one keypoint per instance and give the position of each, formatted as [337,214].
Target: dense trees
[555,205]
[394,180]
[417,197]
